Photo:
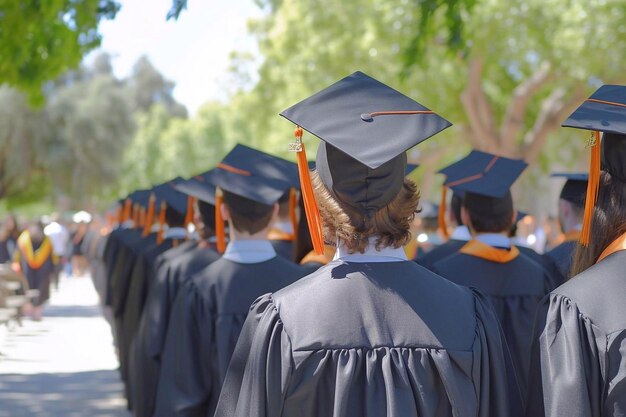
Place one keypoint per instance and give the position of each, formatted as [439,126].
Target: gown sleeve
[498,392]
[565,374]
[260,368]
[184,381]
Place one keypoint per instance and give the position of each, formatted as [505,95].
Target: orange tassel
[293,202]
[443,227]
[220,233]
[127,209]
[310,205]
[592,189]
[189,216]
[120,215]
[161,222]
[149,215]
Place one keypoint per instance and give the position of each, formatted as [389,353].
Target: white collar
[128,224]
[371,254]
[249,251]
[461,233]
[494,240]
[283,226]
[175,233]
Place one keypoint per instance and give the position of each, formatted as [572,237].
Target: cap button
[367,117]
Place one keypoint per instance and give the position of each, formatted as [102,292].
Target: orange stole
[34,259]
[329,254]
[617,245]
[481,250]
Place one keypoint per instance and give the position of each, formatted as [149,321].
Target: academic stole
[34,258]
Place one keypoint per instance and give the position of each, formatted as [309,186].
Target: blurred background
[101,97]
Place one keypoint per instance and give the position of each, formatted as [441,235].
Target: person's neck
[236,235]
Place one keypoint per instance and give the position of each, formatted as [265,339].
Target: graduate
[571,208]
[209,311]
[370,333]
[173,207]
[577,368]
[283,233]
[458,238]
[513,283]
[176,266]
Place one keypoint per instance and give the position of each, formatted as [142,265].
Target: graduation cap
[366,127]
[199,186]
[255,176]
[410,168]
[575,187]
[479,173]
[604,111]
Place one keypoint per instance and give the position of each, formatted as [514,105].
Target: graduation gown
[142,275]
[514,285]
[205,324]
[370,339]
[562,257]
[148,343]
[428,259]
[577,368]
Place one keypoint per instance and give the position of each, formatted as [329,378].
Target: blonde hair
[391,224]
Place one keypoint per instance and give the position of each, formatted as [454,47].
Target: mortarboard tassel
[189,216]
[441,219]
[310,205]
[120,215]
[149,215]
[592,188]
[161,222]
[127,209]
[293,202]
[220,233]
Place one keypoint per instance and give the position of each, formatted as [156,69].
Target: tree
[148,87]
[40,40]
[23,136]
[516,72]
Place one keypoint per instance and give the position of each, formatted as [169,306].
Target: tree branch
[553,111]
[523,93]
[478,109]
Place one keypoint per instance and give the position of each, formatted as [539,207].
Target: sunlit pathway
[65,365]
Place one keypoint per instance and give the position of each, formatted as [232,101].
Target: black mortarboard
[484,174]
[604,111]
[200,186]
[366,127]
[173,198]
[262,164]
[575,187]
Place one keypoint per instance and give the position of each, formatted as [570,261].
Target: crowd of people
[262,287]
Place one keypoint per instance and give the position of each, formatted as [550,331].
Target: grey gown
[578,367]
[371,339]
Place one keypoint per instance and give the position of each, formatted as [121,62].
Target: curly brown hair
[391,224]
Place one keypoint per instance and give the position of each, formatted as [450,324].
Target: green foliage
[40,40]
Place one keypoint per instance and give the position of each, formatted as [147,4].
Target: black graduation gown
[562,257]
[142,275]
[579,354]
[284,248]
[371,339]
[514,289]
[206,321]
[148,343]
[444,250]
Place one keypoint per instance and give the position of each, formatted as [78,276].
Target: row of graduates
[205,328]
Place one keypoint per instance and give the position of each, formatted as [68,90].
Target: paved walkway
[65,365]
